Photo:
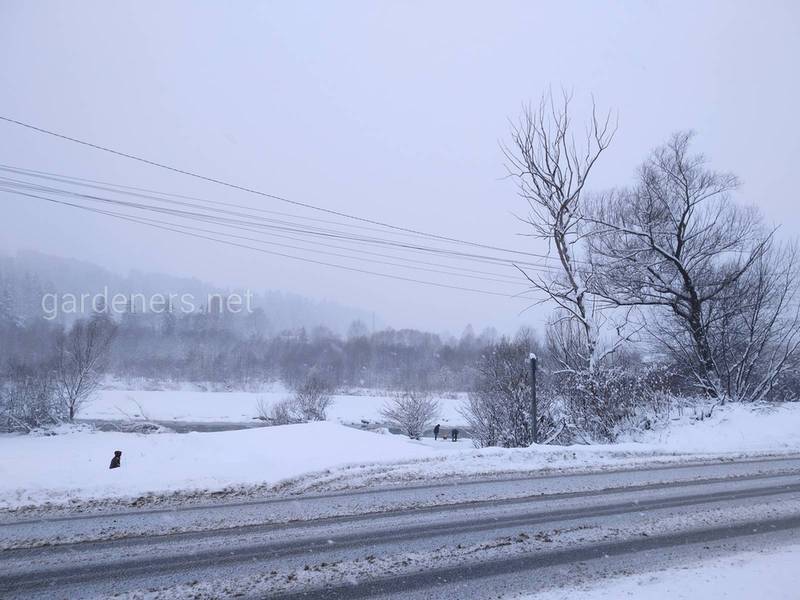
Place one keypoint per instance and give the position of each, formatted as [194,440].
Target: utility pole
[534,411]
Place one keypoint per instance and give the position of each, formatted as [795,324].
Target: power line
[257,192]
[262,250]
[272,224]
[71,179]
[427,267]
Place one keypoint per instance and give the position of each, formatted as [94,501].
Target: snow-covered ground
[732,428]
[768,574]
[74,465]
[321,456]
[236,407]
[734,431]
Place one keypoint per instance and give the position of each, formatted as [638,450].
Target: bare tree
[552,169]
[755,332]
[412,411]
[312,399]
[675,242]
[81,359]
[565,340]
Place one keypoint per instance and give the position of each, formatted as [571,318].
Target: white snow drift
[769,574]
[73,466]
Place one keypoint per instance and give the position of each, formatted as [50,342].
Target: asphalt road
[465,539]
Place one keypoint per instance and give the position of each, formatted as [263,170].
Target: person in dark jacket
[436,432]
[454,435]
[115,462]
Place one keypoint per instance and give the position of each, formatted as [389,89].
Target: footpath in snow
[73,466]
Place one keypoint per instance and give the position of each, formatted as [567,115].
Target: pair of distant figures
[453,433]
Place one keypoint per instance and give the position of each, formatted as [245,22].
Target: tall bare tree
[81,359]
[552,169]
[676,242]
[755,332]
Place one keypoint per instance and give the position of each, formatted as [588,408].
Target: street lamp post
[534,411]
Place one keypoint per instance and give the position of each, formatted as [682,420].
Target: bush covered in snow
[279,413]
[412,411]
[310,402]
[312,398]
[602,405]
[573,405]
[28,399]
[498,410]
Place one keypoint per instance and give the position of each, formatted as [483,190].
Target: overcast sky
[387,110]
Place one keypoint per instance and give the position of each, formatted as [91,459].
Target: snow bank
[734,431]
[328,456]
[733,428]
[770,574]
[36,469]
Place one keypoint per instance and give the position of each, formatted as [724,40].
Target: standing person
[436,432]
[454,433]
[116,461]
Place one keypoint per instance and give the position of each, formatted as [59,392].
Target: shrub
[28,398]
[310,402]
[499,408]
[280,413]
[601,406]
[312,399]
[412,411]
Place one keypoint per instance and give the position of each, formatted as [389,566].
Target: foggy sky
[388,110]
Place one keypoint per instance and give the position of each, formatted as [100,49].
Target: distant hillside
[26,277]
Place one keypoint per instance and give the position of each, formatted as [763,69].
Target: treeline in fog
[226,349]
[233,350]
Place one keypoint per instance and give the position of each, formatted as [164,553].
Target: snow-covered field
[769,574]
[73,466]
[235,407]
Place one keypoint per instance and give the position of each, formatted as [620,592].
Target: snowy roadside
[734,432]
[767,574]
[72,469]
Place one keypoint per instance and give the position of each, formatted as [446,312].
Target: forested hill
[28,276]
[285,337]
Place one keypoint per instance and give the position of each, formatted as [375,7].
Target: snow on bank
[234,407]
[733,428]
[769,574]
[734,431]
[74,466]
[328,456]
